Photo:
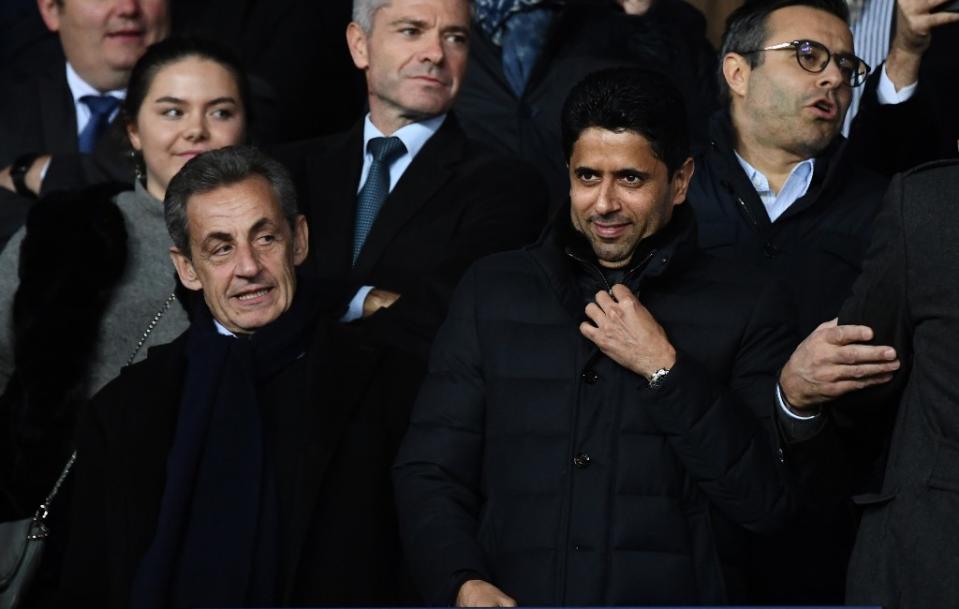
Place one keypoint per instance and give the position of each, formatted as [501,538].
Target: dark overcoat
[906,548]
[333,443]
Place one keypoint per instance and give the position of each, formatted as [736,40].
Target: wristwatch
[18,173]
[658,378]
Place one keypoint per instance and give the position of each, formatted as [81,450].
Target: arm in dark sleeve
[864,419]
[723,433]
[507,210]
[85,574]
[889,138]
[438,470]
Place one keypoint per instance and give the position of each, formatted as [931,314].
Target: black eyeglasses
[813,57]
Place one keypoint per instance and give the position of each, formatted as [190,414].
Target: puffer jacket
[537,463]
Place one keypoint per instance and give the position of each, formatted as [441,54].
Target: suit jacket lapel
[306,444]
[58,112]
[334,175]
[428,172]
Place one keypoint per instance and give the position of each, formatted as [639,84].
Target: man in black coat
[244,464]
[777,189]
[581,444]
[443,201]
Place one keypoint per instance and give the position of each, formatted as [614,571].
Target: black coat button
[770,250]
[581,460]
[590,377]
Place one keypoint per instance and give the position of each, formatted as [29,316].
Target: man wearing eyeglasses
[778,191]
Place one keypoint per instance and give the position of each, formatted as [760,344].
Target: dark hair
[172,50]
[629,99]
[217,168]
[746,29]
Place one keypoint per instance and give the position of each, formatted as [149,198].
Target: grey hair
[217,168]
[363,11]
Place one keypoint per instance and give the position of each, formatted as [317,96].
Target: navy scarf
[216,542]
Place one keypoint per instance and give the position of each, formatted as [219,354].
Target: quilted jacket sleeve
[437,471]
[724,434]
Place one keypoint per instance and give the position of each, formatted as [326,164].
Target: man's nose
[432,49]
[606,200]
[832,76]
[247,262]
[127,8]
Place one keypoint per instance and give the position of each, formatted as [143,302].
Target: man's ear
[50,11]
[736,71]
[301,240]
[357,43]
[185,270]
[680,180]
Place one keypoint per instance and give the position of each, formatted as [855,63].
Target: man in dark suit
[255,472]
[403,202]
[71,108]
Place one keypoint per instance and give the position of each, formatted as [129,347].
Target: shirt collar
[80,87]
[803,171]
[221,329]
[414,136]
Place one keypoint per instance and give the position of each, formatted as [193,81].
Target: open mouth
[825,108]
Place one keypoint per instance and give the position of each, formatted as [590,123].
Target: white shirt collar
[221,329]
[80,87]
[414,136]
[794,188]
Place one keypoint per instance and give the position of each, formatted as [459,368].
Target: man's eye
[409,32]
[266,239]
[587,176]
[632,180]
[222,250]
[457,38]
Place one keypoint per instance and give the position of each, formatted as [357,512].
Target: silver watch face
[658,377]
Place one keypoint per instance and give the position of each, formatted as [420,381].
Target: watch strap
[18,173]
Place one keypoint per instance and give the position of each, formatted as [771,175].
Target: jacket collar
[569,262]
